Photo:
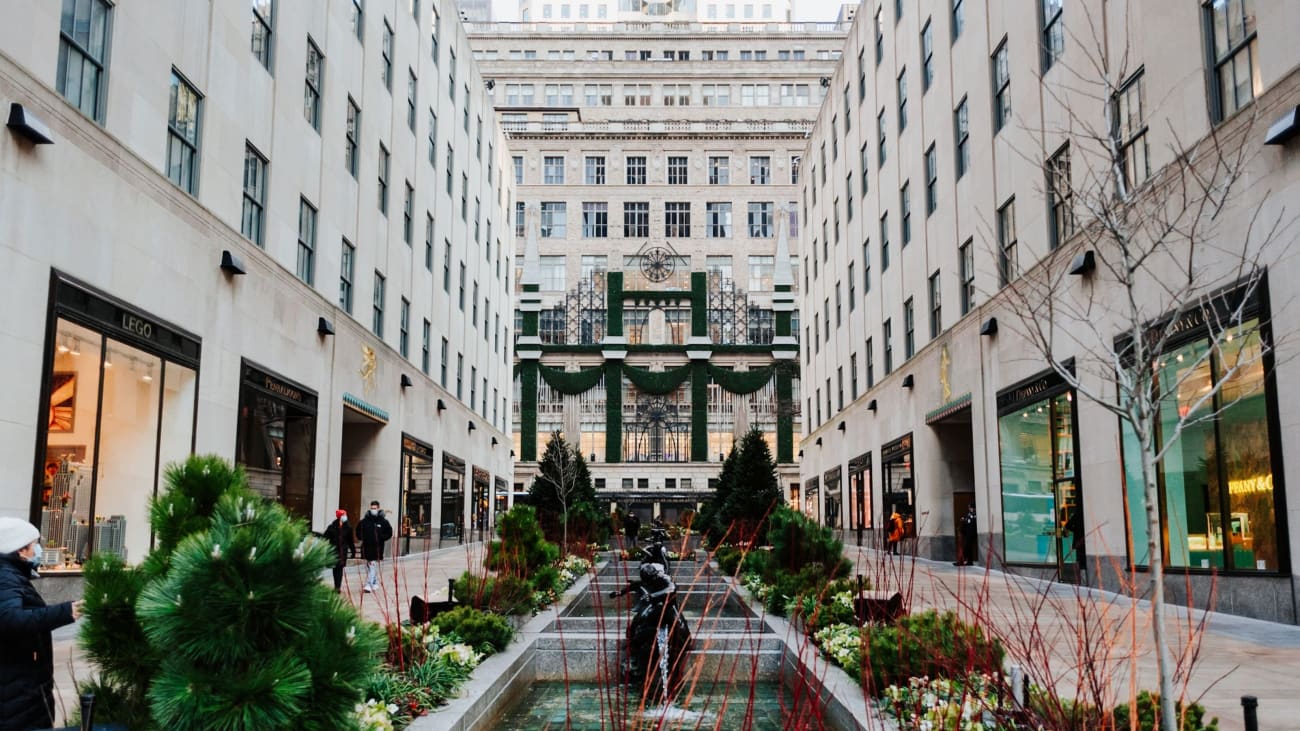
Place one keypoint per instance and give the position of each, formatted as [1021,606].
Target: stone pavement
[1062,627]
[1235,656]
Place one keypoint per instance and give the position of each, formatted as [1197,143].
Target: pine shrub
[484,631]
[1148,715]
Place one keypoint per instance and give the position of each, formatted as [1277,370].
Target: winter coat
[374,531]
[26,649]
[340,537]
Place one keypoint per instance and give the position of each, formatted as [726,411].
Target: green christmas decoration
[226,624]
[571,383]
[741,382]
[657,383]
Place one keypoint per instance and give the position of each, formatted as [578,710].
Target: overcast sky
[823,10]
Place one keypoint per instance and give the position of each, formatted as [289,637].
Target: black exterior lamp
[24,123]
[472,427]
[324,326]
[494,441]
[406,381]
[989,327]
[842,427]
[908,381]
[819,441]
[871,405]
[231,264]
[1083,264]
[441,406]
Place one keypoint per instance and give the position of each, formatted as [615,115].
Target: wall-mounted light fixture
[842,427]
[24,123]
[1279,133]
[406,382]
[324,327]
[472,427]
[871,405]
[512,454]
[441,406]
[990,327]
[908,381]
[231,264]
[1083,264]
[819,441]
[494,441]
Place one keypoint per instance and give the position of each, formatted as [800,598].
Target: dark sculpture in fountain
[658,638]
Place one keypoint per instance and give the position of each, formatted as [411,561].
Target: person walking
[631,528]
[896,531]
[339,534]
[374,530]
[27,652]
[1072,526]
[968,552]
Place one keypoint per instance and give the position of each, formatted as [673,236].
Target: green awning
[948,409]
[370,410]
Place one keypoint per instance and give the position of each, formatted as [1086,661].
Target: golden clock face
[63,401]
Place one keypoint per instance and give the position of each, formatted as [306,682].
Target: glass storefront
[859,497]
[1040,497]
[479,504]
[119,406]
[899,484]
[416,504]
[1218,502]
[500,500]
[452,515]
[834,500]
[811,495]
[276,440]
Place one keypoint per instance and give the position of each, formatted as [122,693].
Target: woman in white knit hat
[26,648]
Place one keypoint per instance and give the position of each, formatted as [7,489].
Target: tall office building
[281,237]
[949,172]
[654,162]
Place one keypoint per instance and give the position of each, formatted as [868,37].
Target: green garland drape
[571,383]
[657,384]
[741,382]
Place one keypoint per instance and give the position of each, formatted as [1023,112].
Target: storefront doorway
[1041,510]
[899,484]
[811,497]
[831,480]
[859,497]
[276,438]
[479,504]
[120,390]
[955,441]
[415,518]
[452,505]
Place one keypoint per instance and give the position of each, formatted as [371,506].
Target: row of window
[566,11]
[669,95]
[760,220]
[782,54]
[635,168]
[762,269]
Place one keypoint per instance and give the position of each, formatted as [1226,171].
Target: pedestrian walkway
[1087,633]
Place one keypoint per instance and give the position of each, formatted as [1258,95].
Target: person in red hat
[339,534]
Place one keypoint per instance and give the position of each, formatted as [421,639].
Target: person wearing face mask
[339,534]
[375,531]
[26,647]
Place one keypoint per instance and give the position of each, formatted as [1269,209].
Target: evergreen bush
[505,593]
[521,547]
[927,644]
[226,624]
[481,630]
[1148,715]
[798,542]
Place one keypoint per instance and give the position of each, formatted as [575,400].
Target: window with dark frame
[1060,197]
[677,219]
[884,242]
[966,271]
[927,57]
[1131,129]
[881,138]
[404,328]
[677,170]
[385,160]
[1008,266]
[347,271]
[905,209]
[1235,78]
[961,132]
[352,137]
[312,84]
[306,264]
[85,29]
[184,116]
[263,19]
[909,329]
[253,217]
[424,347]
[412,85]
[936,306]
[1001,88]
[377,320]
[1053,32]
[958,19]
[870,364]
[636,220]
[931,180]
[887,333]
[902,101]
[635,168]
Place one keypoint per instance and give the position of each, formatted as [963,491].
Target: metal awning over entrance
[949,410]
[369,411]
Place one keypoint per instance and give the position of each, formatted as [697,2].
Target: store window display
[119,406]
[1218,502]
[1039,486]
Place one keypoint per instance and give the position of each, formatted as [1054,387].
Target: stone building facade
[269,232]
[660,159]
[948,172]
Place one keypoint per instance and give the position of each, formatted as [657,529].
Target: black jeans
[338,575]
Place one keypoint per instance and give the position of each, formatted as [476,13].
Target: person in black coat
[339,534]
[968,552]
[26,648]
[374,531]
[631,528]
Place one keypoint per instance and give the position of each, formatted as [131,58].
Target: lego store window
[117,415]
